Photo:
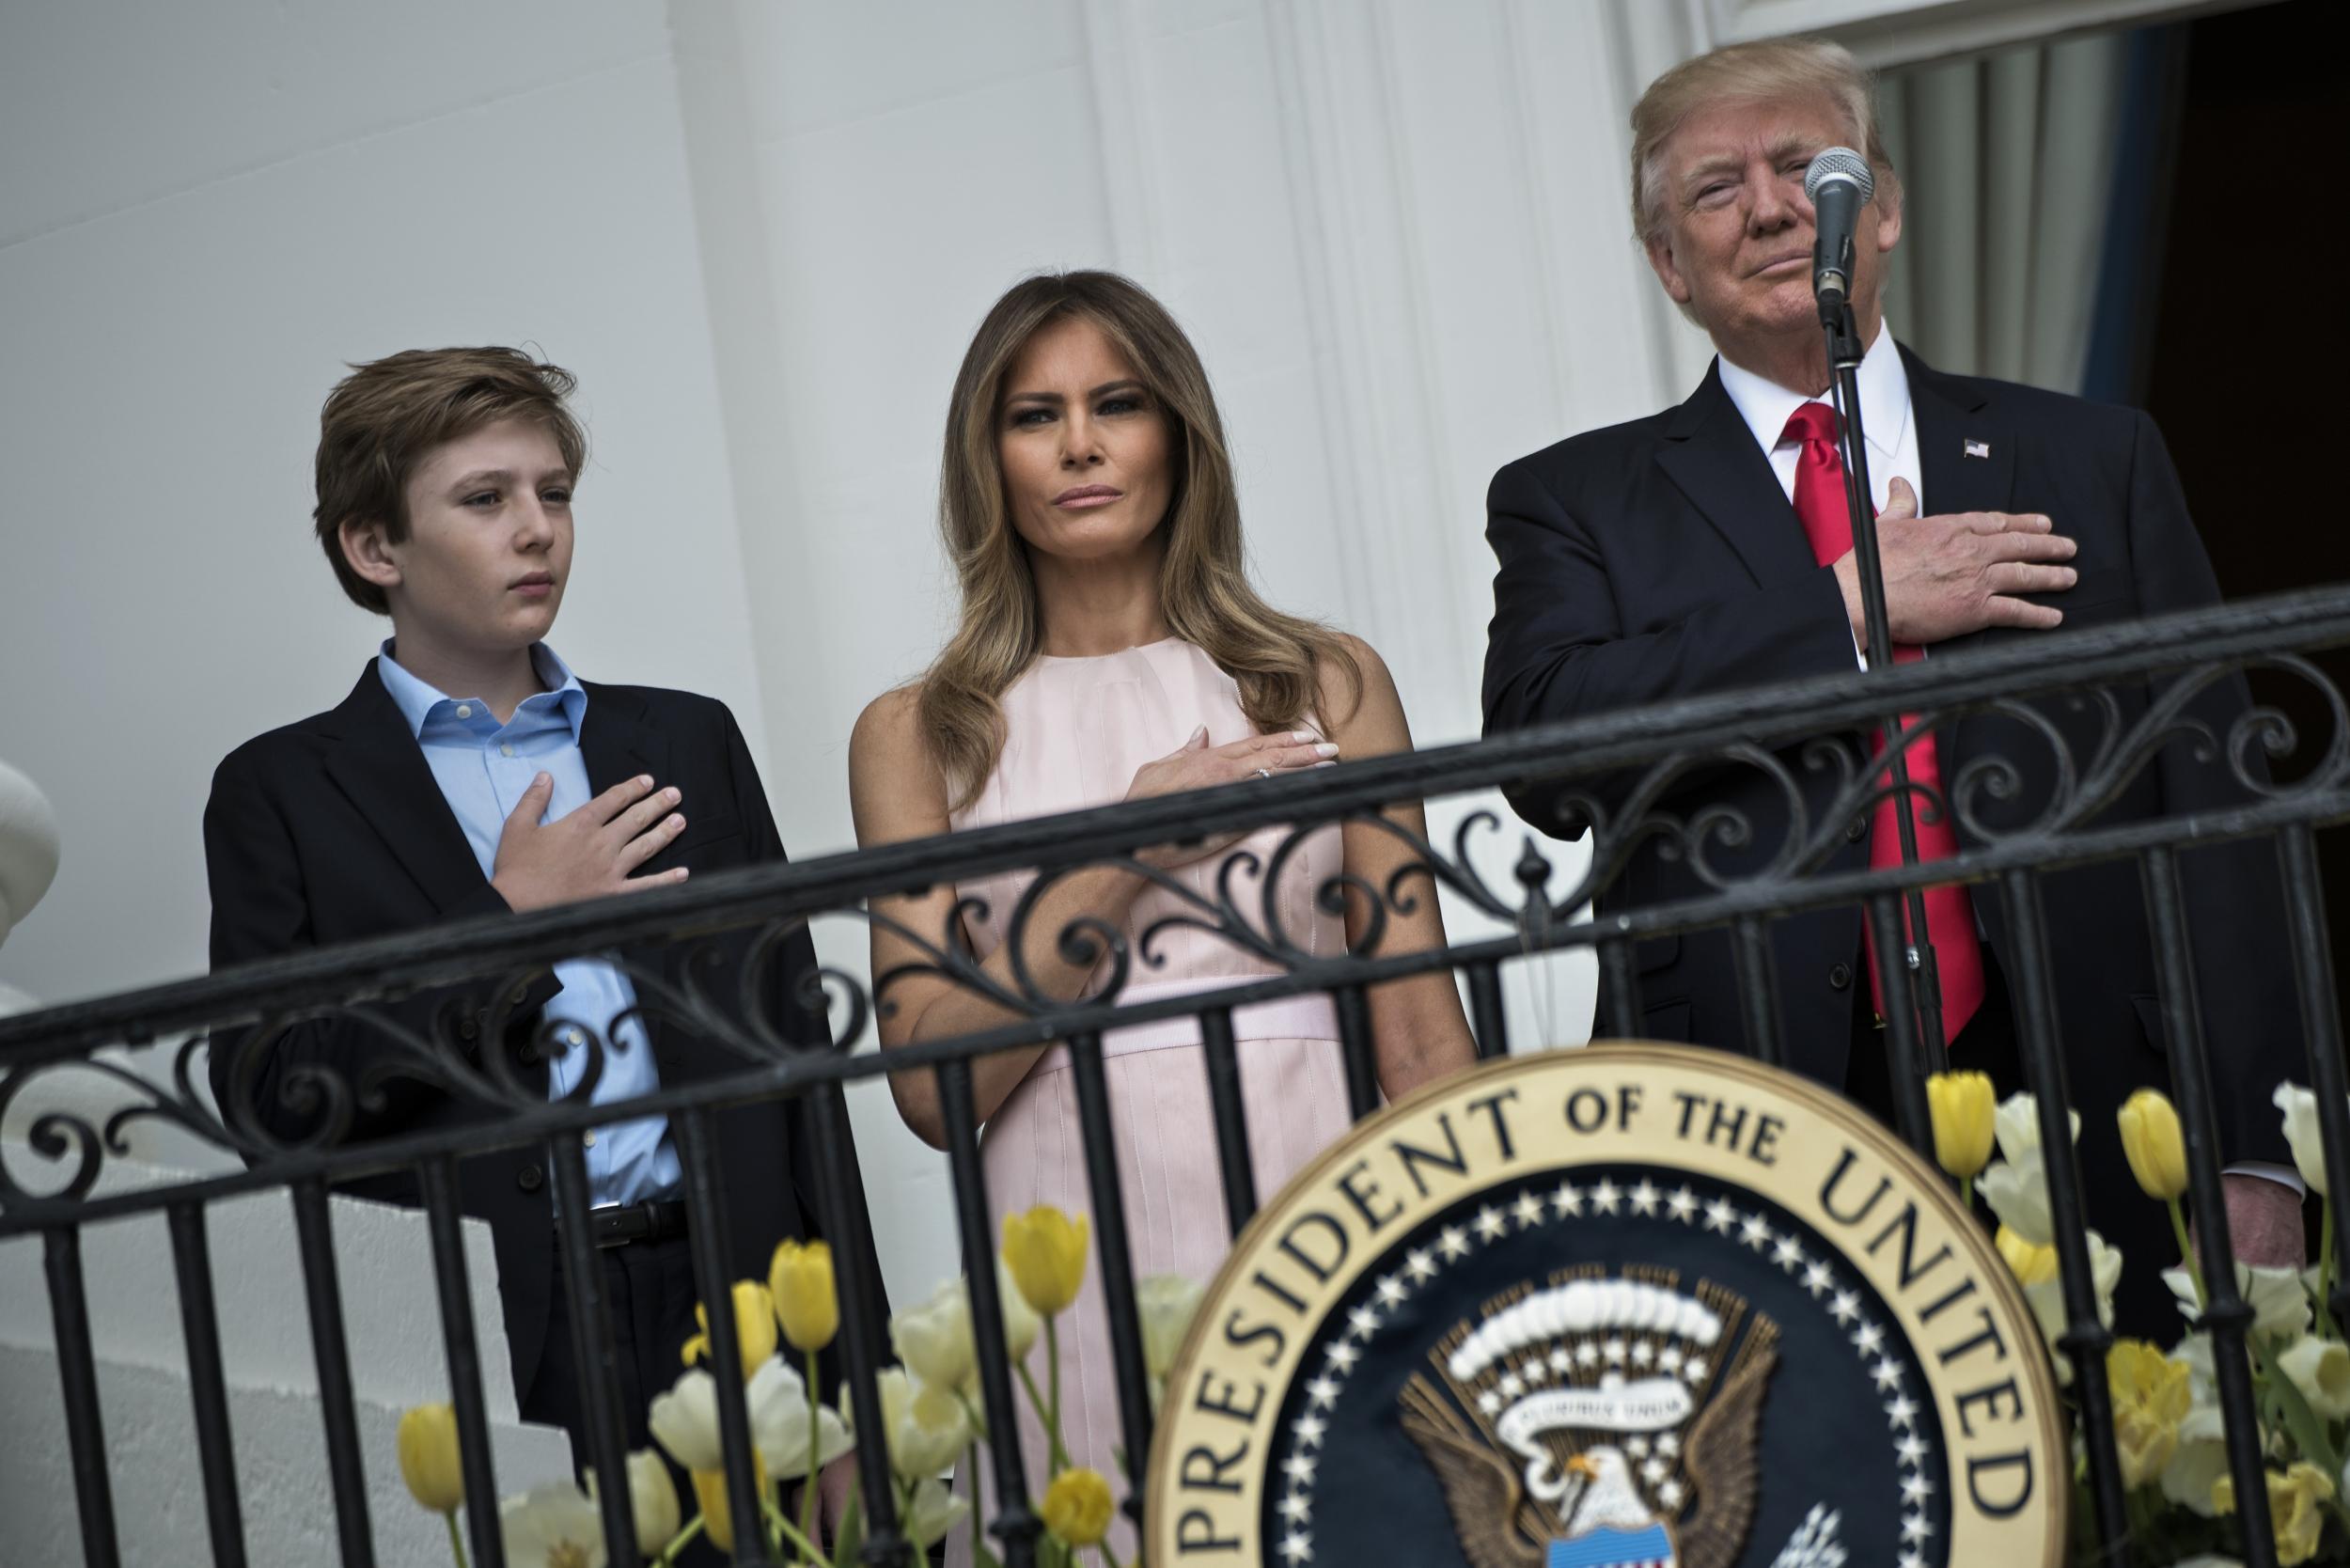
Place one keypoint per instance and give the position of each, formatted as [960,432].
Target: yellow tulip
[709,1495]
[754,1327]
[428,1461]
[2294,1501]
[1964,1108]
[2156,1147]
[1046,1251]
[1078,1506]
[800,1279]
[2031,1265]
[2151,1396]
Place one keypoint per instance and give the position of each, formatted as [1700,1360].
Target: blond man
[1707,548]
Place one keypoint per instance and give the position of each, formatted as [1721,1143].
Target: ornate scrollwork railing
[2085,717]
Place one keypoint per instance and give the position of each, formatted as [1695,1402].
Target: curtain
[2007,166]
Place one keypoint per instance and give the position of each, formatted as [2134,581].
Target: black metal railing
[1630,777]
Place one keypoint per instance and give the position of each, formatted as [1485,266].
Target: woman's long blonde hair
[1204,593]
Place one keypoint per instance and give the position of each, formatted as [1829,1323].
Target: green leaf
[851,1535]
[982,1558]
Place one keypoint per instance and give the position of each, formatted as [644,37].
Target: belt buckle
[610,1224]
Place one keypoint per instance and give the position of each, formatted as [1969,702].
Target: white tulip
[2200,1459]
[1167,1304]
[2018,1191]
[934,1340]
[552,1526]
[2281,1306]
[2047,1298]
[778,1398]
[2309,1153]
[2017,1124]
[933,1512]
[651,1498]
[927,1429]
[685,1421]
[2320,1369]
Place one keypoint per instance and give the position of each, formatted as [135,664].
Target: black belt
[619,1224]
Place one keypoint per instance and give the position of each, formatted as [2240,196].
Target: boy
[470,773]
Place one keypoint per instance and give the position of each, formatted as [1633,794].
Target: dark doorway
[2242,356]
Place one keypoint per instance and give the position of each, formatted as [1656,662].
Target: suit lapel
[617,743]
[1711,455]
[1967,458]
[380,767]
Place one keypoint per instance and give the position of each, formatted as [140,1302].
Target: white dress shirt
[1891,435]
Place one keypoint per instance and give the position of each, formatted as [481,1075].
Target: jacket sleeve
[2233,904]
[830,1199]
[1560,648]
[261,910]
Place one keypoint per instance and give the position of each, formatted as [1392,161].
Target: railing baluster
[208,1387]
[2226,1313]
[437,1178]
[1492,1026]
[313,1231]
[2086,1338]
[1229,1112]
[1912,1117]
[1620,990]
[1356,1050]
[1015,1524]
[846,1222]
[598,1358]
[1118,1268]
[77,1373]
[1758,986]
[706,1233]
[2321,1026]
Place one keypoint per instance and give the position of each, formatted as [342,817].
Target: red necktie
[1958,956]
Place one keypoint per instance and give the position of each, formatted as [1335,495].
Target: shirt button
[464,710]
[506,748]
[588,1139]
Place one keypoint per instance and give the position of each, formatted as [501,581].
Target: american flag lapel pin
[1978,448]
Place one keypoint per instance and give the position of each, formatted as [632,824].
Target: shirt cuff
[2283,1175]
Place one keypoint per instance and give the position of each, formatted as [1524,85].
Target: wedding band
[1264,772]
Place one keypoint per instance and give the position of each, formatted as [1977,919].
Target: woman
[1111,648]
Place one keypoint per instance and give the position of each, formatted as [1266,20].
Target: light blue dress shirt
[483,768]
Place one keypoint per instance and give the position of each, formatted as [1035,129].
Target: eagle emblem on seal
[1598,1422]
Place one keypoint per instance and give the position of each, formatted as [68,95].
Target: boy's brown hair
[382,419]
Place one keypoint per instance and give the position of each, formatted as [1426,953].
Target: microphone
[1838,184]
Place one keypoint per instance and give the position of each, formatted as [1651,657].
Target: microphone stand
[1844,350]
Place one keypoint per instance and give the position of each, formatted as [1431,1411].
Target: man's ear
[368,553]
[1660,261]
[1888,221]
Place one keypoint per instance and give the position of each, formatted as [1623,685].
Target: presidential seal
[1627,1305]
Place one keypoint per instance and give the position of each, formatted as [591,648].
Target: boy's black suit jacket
[334,830]
[1660,559]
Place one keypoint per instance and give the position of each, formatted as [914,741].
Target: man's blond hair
[1777,71]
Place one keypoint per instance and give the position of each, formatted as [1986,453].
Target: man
[1699,550]
[469,772]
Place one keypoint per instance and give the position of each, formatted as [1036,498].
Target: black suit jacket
[333,829]
[1660,559]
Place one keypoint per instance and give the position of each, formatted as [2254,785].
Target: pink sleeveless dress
[1076,731]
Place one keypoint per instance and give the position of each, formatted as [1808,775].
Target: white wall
[204,213]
